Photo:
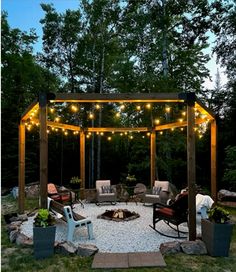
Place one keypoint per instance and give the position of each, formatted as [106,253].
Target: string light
[57,119]
[122,107]
[74,108]
[66,133]
[184,113]
[138,107]
[97,106]
[181,120]
[148,106]
[131,137]
[117,114]
[167,109]
[161,132]
[109,138]
[157,121]
[52,110]
[148,134]
[91,116]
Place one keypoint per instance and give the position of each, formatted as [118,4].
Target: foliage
[44,219]
[218,215]
[131,178]
[230,167]
[75,180]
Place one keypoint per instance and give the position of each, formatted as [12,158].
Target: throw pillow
[106,189]
[156,190]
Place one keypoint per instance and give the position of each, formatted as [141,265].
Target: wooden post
[213,159]
[21,168]
[152,157]
[191,169]
[43,150]
[82,159]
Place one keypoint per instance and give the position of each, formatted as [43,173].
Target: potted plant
[217,231]
[75,182]
[44,232]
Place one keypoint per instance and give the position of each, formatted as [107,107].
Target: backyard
[21,258]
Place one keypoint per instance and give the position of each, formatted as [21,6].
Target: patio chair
[173,215]
[62,196]
[160,193]
[105,192]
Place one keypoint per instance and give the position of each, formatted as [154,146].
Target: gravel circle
[116,237]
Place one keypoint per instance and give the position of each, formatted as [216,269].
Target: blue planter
[44,239]
[217,237]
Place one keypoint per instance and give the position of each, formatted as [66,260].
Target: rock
[22,217]
[13,235]
[66,248]
[9,216]
[86,250]
[14,226]
[225,195]
[22,239]
[32,190]
[193,247]
[170,248]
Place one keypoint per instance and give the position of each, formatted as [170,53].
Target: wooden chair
[173,215]
[62,196]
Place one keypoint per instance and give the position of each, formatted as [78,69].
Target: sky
[26,14]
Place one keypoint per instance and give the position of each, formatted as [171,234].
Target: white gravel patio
[115,237]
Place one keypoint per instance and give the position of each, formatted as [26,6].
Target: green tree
[22,80]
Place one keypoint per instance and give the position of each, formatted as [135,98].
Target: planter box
[44,239]
[216,237]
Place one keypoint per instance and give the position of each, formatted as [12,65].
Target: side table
[77,199]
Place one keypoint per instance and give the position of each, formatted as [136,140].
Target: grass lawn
[18,258]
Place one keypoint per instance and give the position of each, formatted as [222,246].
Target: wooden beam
[21,168]
[204,110]
[191,162]
[198,121]
[152,158]
[82,158]
[117,97]
[43,150]
[29,112]
[213,160]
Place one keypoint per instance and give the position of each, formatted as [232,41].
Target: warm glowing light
[122,107]
[102,133]
[148,106]
[118,114]
[57,119]
[109,138]
[161,132]
[181,120]
[74,108]
[97,106]
[113,132]
[195,129]
[138,107]
[184,113]
[56,129]
[167,109]
[157,121]
[172,129]
[200,136]
[91,116]
[66,133]
[131,137]
[89,133]
[87,136]
[52,110]
[48,131]
[121,134]
[126,133]
[181,129]
[148,134]
[63,129]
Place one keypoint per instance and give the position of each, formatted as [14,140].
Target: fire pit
[119,215]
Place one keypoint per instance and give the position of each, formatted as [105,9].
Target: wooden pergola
[191,101]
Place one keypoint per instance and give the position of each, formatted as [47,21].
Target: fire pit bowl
[119,215]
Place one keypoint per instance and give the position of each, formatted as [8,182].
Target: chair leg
[90,231]
[70,232]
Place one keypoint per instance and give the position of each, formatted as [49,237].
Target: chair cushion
[166,212]
[106,189]
[156,190]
